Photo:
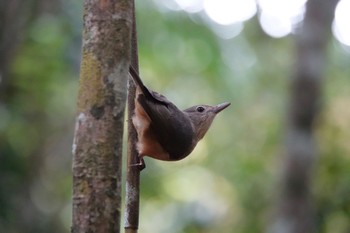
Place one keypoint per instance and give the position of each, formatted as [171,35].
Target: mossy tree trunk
[97,147]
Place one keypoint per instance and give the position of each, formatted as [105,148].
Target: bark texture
[97,147]
[132,200]
[295,214]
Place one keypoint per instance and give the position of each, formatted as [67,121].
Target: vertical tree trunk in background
[97,146]
[12,31]
[295,213]
[21,170]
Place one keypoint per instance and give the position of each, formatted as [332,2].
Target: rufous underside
[147,144]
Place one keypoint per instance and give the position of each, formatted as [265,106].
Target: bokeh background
[192,51]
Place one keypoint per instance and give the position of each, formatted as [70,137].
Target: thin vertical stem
[133,172]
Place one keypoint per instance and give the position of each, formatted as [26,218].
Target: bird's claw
[141,165]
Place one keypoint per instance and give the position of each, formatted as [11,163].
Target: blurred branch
[11,35]
[132,204]
[97,146]
[13,31]
[295,214]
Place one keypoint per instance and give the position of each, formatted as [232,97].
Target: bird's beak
[218,108]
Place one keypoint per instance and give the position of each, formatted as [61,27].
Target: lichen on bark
[90,88]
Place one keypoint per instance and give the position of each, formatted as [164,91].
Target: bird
[164,132]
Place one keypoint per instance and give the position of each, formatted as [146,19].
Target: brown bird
[165,132]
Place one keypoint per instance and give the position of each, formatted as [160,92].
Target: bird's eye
[200,109]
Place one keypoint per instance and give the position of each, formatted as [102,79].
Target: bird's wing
[171,127]
[160,98]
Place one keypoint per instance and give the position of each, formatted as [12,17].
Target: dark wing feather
[172,128]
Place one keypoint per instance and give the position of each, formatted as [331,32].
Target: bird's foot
[141,164]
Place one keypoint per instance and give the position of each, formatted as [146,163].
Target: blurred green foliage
[229,183]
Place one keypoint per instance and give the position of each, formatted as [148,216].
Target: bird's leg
[141,164]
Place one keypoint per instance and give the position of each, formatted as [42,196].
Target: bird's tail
[135,76]
[150,95]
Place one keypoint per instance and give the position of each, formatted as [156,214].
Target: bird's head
[202,116]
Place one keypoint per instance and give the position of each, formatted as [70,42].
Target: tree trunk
[97,147]
[295,213]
